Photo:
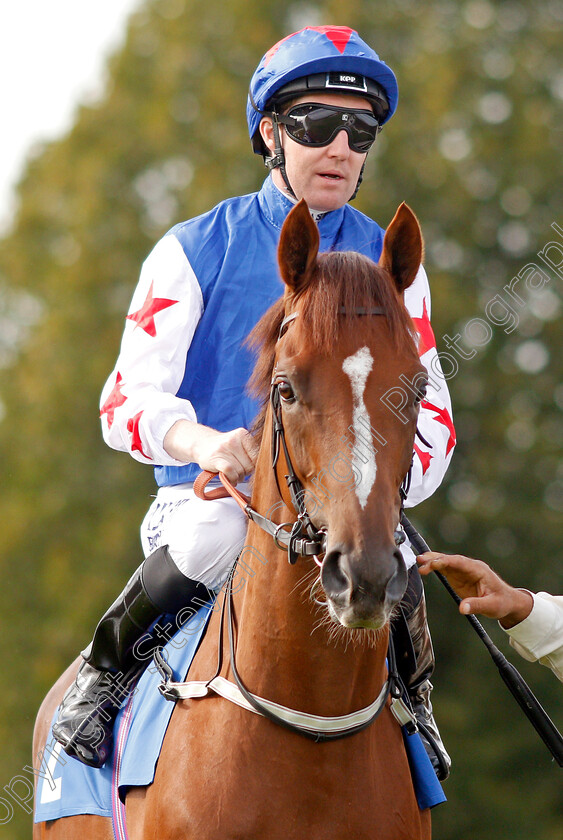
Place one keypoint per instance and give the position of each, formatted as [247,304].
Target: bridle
[299,538]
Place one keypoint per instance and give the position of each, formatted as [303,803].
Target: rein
[293,541]
[514,681]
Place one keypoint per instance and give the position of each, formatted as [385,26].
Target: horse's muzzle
[361,591]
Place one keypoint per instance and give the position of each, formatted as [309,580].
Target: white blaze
[358,367]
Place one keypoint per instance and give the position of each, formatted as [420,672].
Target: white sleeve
[540,635]
[434,445]
[138,404]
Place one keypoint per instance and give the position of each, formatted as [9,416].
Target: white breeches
[204,537]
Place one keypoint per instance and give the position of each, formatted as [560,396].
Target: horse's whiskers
[336,632]
[364,637]
[303,585]
[316,590]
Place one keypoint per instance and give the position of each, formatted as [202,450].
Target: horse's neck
[286,651]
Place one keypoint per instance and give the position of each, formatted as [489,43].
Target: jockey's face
[325,176]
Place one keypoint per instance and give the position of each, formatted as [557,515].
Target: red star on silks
[115,399]
[339,35]
[443,416]
[426,338]
[425,458]
[136,442]
[144,317]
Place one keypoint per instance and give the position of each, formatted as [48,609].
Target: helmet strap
[278,159]
[360,179]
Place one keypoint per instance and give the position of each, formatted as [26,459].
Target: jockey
[176,398]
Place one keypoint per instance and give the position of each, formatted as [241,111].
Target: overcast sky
[52,56]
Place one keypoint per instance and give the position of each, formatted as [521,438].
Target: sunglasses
[317,125]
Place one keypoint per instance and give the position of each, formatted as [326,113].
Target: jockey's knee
[205,549]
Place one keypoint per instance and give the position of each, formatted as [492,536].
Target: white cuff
[535,637]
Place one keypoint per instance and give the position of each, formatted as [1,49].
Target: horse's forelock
[350,281]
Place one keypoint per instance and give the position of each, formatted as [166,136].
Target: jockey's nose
[338,147]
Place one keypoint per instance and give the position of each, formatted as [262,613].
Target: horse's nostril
[334,578]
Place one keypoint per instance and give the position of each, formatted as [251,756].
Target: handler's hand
[481,589]
[232,453]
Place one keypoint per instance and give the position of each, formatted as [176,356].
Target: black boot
[415,660]
[84,725]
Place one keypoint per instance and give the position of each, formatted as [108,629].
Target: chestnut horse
[308,639]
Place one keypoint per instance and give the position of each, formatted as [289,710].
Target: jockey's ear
[298,248]
[403,248]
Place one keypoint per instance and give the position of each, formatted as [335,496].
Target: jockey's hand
[232,453]
[482,590]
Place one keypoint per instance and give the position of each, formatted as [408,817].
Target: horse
[311,634]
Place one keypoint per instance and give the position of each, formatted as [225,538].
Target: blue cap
[323,58]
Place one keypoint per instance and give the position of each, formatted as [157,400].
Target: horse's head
[341,338]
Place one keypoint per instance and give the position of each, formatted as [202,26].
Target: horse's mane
[343,280]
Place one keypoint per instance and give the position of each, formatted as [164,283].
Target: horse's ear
[298,247]
[403,248]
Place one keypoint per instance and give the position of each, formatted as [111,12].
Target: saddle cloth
[67,787]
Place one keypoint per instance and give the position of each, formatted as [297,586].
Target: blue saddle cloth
[67,787]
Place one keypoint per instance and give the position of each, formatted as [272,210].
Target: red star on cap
[443,416]
[144,317]
[136,442]
[426,338]
[425,458]
[339,35]
[115,399]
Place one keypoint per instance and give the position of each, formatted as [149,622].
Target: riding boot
[416,664]
[113,660]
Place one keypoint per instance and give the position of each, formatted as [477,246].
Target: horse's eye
[285,391]
[420,391]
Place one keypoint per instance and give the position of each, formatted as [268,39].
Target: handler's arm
[481,590]
[534,621]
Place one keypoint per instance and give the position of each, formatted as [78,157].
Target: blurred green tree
[476,150]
